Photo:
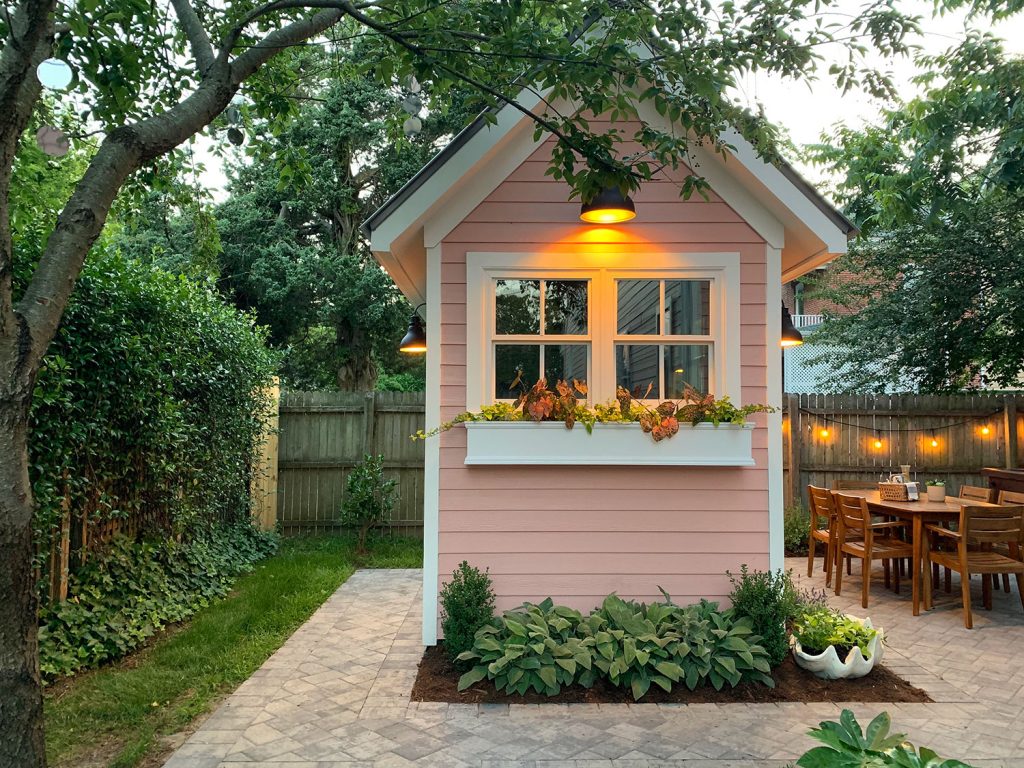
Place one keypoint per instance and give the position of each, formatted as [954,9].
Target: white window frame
[602,270]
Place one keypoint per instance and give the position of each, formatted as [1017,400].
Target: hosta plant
[534,647]
[847,746]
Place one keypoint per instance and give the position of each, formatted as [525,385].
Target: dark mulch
[437,680]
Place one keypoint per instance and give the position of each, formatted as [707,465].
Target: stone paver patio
[336,695]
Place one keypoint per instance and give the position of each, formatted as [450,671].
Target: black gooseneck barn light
[791,337]
[609,206]
[415,339]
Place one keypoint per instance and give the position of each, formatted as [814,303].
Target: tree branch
[198,40]
[246,63]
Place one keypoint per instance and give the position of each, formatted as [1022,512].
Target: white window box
[703,445]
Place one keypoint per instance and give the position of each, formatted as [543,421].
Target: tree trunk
[21,701]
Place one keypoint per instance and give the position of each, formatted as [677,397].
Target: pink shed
[550,515]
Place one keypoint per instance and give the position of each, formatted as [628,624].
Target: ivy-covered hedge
[131,590]
[148,401]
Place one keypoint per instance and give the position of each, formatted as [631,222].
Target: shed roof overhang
[786,210]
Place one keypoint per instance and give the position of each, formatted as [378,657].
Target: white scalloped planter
[526,442]
[828,665]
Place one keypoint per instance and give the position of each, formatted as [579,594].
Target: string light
[934,441]
[824,432]
[878,442]
[985,430]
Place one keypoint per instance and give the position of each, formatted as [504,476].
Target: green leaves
[847,747]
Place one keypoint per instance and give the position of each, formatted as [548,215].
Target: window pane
[509,361]
[565,362]
[687,309]
[565,307]
[686,364]
[638,306]
[517,306]
[636,368]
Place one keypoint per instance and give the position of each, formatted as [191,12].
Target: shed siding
[578,533]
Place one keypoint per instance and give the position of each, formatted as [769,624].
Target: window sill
[703,445]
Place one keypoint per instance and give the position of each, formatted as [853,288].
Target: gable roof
[786,210]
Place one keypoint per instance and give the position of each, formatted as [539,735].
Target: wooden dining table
[918,513]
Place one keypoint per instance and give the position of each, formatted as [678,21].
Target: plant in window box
[833,645]
[541,403]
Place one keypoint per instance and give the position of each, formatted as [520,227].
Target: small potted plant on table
[833,645]
[936,490]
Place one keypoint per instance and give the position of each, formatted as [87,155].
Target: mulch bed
[437,680]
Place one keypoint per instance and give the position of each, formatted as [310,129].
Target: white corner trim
[722,268]
[773,366]
[463,166]
[432,449]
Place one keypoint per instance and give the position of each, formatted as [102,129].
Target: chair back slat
[822,504]
[993,525]
[852,511]
[1011,497]
[975,492]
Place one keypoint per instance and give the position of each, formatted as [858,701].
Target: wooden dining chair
[1006,498]
[876,541]
[823,509]
[987,527]
[976,493]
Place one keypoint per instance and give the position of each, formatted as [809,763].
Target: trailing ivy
[132,590]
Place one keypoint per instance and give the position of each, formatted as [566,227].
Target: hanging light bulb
[790,337]
[878,441]
[415,339]
[934,441]
[986,431]
[824,432]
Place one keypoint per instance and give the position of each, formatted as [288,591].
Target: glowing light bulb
[985,430]
[935,443]
[878,442]
[824,432]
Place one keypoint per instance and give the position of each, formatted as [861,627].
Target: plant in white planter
[833,645]
[936,490]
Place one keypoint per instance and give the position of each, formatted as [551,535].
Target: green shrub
[148,402]
[131,591]
[769,600]
[467,603]
[846,746]
[796,524]
[533,647]
[369,498]
[818,627]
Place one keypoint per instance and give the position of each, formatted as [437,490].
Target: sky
[804,109]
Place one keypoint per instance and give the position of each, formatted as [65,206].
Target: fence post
[263,485]
[1010,429]
[60,555]
[793,407]
[369,422]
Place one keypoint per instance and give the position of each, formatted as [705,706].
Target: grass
[117,715]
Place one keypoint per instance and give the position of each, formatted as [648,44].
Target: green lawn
[116,715]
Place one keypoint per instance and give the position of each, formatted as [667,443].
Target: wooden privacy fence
[831,438]
[323,435]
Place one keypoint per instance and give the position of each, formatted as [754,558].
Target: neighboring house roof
[774,199]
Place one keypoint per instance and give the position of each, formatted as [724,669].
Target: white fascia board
[405,282]
[436,194]
[786,192]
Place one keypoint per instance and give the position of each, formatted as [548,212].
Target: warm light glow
[679,370]
[414,348]
[790,343]
[824,432]
[878,443]
[985,430]
[608,216]
[934,443]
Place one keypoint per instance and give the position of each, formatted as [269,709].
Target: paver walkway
[336,695]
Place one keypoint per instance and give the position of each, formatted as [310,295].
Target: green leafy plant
[131,591]
[467,603]
[847,746]
[795,525]
[770,600]
[936,483]
[369,498]
[638,644]
[533,647]
[818,627]
[562,403]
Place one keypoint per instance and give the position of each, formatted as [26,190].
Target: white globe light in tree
[53,141]
[54,74]
[412,126]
